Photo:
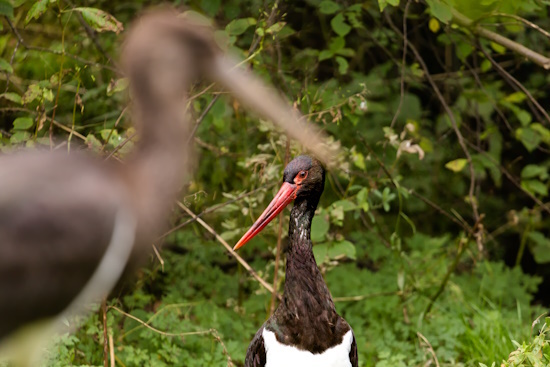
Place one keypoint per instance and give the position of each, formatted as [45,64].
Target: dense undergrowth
[431,265]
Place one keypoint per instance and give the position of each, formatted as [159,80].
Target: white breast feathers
[280,355]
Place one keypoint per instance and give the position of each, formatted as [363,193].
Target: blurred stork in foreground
[69,223]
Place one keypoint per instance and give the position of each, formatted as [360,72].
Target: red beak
[286,194]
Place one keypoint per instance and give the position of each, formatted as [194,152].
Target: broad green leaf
[320,251]
[100,20]
[516,97]
[543,131]
[325,55]
[535,187]
[22,123]
[498,48]
[5,66]
[440,10]
[238,26]
[10,96]
[529,138]
[36,10]
[346,205]
[341,249]
[541,247]
[342,65]
[275,28]
[457,165]
[92,142]
[336,44]
[6,8]
[20,137]
[383,3]
[32,93]
[319,228]
[117,86]
[339,25]
[533,170]
[328,7]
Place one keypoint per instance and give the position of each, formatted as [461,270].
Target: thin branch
[105,335]
[55,52]
[402,83]
[476,29]
[213,209]
[524,21]
[228,248]
[366,296]
[515,82]
[202,116]
[447,108]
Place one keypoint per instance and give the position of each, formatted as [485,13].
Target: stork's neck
[303,278]
[156,168]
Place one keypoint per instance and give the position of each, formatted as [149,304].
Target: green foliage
[421,277]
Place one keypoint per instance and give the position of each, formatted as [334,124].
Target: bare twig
[229,249]
[105,337]
[212,209]
[112,350]
[402,83]
[366,296]
[202,116]
[449,112]
[524,21]
[516,83]
[475,28]
[428,346]
[55,52]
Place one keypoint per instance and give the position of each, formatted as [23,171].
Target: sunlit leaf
[457,165]
[100,20]
[36,10]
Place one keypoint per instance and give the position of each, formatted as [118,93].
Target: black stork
[68,223]
[305,330]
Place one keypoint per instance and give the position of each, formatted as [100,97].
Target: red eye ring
[302,175]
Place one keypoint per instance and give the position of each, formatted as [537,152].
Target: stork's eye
[300,177]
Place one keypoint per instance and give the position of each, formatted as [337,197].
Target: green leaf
[100,20]
[529,138]
[325,54]
[533,170]
[457,165]
[22,123]
[116,86]
[339,25]
[541,247]
[498,48]
[33,92]
[341,249]
[535,187]
[6,8]
[319,228]
[239,26]
[342,65]
[383,3]
[5,66]
[440,10]
[20,137]
[275,28]
[10,96]
[336,44]
[516,97]
[36,10]
[328,7]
